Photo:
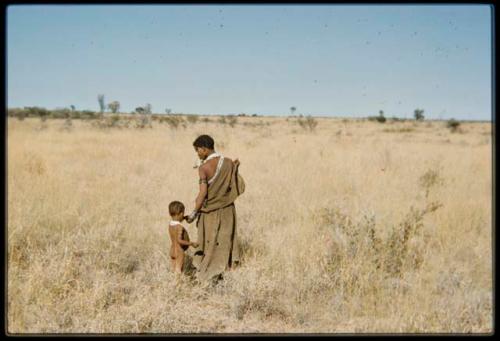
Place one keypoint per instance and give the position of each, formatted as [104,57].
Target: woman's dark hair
[175,207]
[204,141]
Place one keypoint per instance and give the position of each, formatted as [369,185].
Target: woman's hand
[190,218]
[236,162]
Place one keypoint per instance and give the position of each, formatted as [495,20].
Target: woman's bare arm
[202,194]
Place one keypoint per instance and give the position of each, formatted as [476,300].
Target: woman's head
[204,146]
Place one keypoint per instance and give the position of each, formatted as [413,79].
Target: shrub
[173,121]
[232,120]
[380,119]
[60,113]
[430,179]
[88,114]
[419,114]
[453,125]
[192,118]
[17,112]
[37,112]
[143,121]
[309,123]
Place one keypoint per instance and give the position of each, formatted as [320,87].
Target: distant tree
[419,114]
[114,106]
[292,110]
[381,118]
[102,105]
[72,107]
[148,109]
[139,110]
[168,111]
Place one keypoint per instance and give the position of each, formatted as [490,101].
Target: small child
[178,236]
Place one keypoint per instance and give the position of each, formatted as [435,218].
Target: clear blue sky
[328,60]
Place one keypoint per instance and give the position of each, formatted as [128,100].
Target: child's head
[176,210]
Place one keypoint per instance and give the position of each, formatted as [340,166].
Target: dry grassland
[358,227]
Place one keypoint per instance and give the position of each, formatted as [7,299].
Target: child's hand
[236,162]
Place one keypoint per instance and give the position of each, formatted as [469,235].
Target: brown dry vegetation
[354,227]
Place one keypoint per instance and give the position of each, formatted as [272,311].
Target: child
[178,236]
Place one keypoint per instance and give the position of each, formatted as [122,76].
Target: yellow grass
[319,225]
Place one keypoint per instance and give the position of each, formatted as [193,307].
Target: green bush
[453,125]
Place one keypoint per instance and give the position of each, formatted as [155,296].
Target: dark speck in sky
[221,26]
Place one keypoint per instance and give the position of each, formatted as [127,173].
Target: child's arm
[182,241]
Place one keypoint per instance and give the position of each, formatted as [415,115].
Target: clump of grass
[173,121]
[399,130]
[359,243]
[430,179]
[400,255]
[192,118]
[232,120]
[68,124]
[143,121]
[309,123]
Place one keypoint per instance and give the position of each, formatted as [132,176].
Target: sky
[325,60]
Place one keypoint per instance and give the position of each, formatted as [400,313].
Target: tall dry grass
[351,228]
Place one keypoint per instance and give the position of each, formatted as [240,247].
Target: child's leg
[179,262]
